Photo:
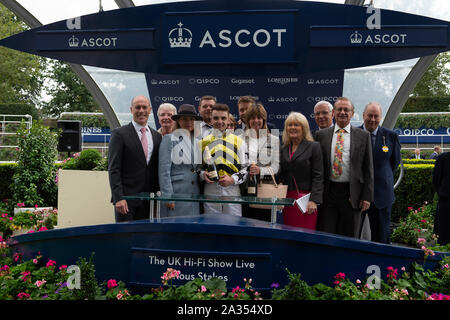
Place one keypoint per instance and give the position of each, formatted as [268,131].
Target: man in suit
[205,110]
[437,151]
[416,154]
[348,172]
[441,184]
[133,162]
[323,114]
[386,158]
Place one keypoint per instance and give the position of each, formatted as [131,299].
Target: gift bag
[266,190]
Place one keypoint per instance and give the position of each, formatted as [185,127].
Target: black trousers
[337,214]
[442,220]
[138,210]
[256,213]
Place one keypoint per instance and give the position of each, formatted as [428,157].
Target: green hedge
[430,120]
[91,120]
[415,188]
[427,104]
[19,108]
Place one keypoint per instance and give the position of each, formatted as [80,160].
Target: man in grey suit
[348,172]
[133,162]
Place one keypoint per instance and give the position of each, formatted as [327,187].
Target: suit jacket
[361,163]
[128,170]
[179,164]
[441,175]
[306,166]
[384,166]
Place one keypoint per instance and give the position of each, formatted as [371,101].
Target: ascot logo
[180,37]
[356,38]
[377,38]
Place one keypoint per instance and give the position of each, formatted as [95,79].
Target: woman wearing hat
[179,164]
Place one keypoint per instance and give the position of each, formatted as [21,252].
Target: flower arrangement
[37,220]
[417,228]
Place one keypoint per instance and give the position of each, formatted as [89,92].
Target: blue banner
[423,135]
[278,95]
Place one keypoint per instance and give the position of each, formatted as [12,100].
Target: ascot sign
[237,38]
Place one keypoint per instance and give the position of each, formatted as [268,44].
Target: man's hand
[206,176]
[226,181]
[364,205]
[122,206]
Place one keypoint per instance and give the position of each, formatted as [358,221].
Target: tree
[20,73]
[67,91]
[436,80]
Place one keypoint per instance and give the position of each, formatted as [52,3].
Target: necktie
[338,150]
[374,137]
[144,142]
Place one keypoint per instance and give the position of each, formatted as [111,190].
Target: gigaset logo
[182,38]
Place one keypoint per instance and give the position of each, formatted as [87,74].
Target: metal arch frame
[389,120]
[79,70]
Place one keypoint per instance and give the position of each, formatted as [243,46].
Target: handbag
[268,191]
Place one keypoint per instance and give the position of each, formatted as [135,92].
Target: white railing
[4,124]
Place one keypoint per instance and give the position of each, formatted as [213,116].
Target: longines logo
[378,38]
[282,81]
[180,37]
[92,42]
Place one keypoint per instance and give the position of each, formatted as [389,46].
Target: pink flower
[4,268]
[421,240]
[23,295]
[20,205]
[50,263]
[340,276]
[25,274]
[63,267]
[119,296]
[410,208]
[40,283]
[445,266]
[43,229]
[112,283]
[403,269]
[203,288]
[358,281]
[35,261]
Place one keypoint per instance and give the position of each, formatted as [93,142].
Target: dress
[178,172]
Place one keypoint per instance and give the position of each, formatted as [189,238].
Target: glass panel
[212,198]
[378,83]
[48,11]
[119,87]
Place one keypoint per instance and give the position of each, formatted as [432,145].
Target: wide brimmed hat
[186,110]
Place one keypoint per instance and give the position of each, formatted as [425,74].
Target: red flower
[111,283]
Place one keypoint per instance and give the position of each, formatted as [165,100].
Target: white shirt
[138,127]
[345,176]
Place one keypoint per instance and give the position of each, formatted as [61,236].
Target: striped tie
[338,150]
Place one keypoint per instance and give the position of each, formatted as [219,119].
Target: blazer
[179,164]
[441,175]
[128,170]
[384,166]
[306,166]
[361,163]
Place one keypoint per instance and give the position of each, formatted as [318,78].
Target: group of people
[347,171]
